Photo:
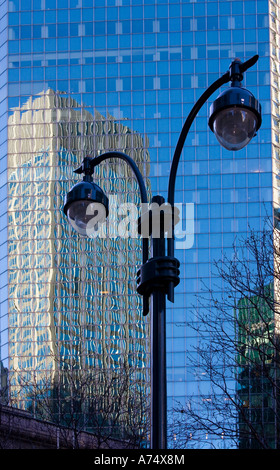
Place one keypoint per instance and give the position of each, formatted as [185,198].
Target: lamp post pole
[235,118]
[158,353]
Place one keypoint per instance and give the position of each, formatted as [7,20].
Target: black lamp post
[235,117]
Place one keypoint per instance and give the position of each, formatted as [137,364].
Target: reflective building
[80,77]
[257,375]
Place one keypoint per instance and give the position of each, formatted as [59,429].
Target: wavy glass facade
[80,77]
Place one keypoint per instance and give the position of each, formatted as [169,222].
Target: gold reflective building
[72,301]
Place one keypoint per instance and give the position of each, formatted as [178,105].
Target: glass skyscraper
[81,77]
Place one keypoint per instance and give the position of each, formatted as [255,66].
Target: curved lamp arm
[105,156]
[179,147]
[90,163]
[232,74]
[185,130]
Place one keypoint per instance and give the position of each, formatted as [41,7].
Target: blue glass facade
[83,77]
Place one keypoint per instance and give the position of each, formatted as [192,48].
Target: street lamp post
[235,117]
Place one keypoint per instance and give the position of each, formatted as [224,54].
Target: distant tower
[72,300]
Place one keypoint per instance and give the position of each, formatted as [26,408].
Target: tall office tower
[70,298]
[83,76]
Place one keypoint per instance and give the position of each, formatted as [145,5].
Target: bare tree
[109,403]
[237,351]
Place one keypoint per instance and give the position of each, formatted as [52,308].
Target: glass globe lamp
[86,205]
[235,117]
